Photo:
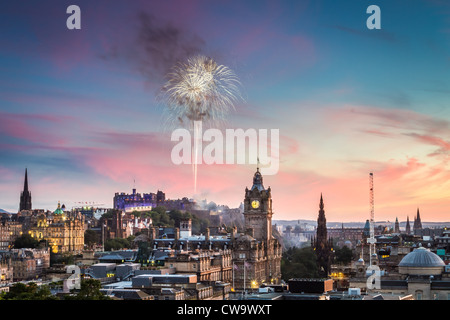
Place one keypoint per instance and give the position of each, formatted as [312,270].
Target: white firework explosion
[200,90]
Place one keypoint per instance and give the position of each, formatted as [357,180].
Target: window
[418,295]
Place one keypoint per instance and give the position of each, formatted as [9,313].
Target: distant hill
[4,211]
[331,224]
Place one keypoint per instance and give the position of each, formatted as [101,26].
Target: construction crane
[371,240]
[87,204]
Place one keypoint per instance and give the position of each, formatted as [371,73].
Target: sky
[79,108]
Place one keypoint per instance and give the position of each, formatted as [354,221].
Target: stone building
[29,264]
[5,235]
[256,252]
[421,274]
[207,265]
[348,237]
[6,271]
[63,231]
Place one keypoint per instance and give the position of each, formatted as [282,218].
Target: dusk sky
[78,108]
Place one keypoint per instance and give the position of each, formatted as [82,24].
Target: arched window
[419,294]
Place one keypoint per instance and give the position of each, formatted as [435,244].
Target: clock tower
[258,209]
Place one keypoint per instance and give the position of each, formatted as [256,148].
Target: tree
[30,291]
[119,243]
[343,255]
[91,237]
[25,241]
[89,290]
[299,263]
[110,213]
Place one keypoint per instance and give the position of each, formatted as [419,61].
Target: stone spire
[25,196]
[322,243]
[396,226]
[417,222]
[408,226]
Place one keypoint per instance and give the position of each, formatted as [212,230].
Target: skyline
[78,107]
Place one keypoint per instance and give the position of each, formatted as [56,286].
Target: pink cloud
[444,146]
[32,128]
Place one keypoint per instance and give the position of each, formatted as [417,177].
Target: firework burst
[200,91]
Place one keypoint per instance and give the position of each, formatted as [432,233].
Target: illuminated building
[6,271]
[256,252]
[63,231]
[123,201]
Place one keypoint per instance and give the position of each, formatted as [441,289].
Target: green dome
[58,210]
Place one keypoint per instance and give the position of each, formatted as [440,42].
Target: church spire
[25,184]
[408,226]
[396,226]
[25,195]
[417,222]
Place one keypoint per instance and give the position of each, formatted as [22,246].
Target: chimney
[152,233]
[233,233]
[177,234]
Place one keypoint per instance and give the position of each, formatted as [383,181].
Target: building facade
[62,230]
[123,201]
[256,252]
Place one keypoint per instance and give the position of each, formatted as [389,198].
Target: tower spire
[25,195]
[322,242]
[408,226]
[25,184]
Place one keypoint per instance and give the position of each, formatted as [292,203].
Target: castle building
[123,201]
[25,196]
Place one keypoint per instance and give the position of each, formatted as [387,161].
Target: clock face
[255,204]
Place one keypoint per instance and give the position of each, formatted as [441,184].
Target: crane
[371,240]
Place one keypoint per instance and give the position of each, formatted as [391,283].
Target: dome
[58,210]
[421,257]
[421,261]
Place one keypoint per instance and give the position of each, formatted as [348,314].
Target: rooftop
[421,257]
